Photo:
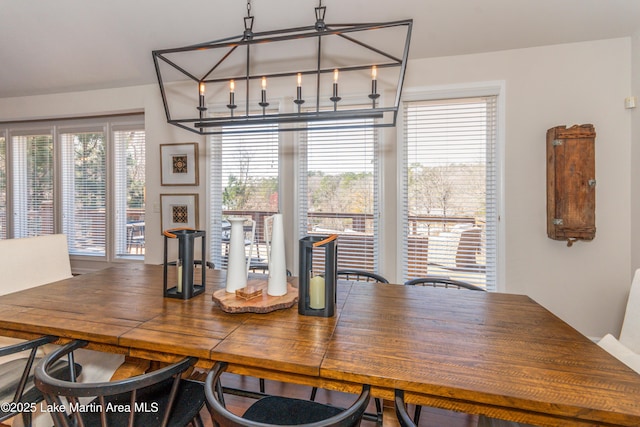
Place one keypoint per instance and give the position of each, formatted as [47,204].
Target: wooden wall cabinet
[571,183]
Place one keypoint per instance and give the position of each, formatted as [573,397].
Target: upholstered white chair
[35,261]
[630,333]
[627,348]
[621,352]
[29,262]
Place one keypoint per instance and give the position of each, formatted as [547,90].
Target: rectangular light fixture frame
[252,120]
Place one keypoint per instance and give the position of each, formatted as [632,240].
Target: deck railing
[357,233]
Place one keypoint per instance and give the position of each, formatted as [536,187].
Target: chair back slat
[222,417]
[442,282]
[401,410]
[17,374]
[361,276]
[159,387]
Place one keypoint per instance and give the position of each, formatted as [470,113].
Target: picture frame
[178,211]
[179,164]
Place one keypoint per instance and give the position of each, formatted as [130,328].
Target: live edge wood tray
[264,303]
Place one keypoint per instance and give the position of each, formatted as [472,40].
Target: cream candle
[316,292]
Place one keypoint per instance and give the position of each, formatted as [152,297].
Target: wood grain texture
[263,303]
[463,351]
[571,191]
[484,353]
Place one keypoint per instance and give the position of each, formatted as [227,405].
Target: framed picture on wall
[179,211]
[179,164]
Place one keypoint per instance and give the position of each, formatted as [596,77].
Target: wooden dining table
[497,354]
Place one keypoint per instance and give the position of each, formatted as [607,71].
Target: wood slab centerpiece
[254,298]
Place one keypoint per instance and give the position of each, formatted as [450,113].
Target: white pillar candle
[316,292]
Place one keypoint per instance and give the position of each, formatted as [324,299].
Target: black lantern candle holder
[317,289]
[184,265]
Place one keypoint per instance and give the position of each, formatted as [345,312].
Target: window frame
[107,124]
[61,130]
[301,186]
[11,178]
[216,182]
[482,89]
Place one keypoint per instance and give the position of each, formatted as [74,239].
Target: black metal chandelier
[199,83]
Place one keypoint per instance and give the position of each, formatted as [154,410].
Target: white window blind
[244,182]
[450,181]
[32,169]
[129,186]
[84,191]
[95,167]
[3,187]
[338,187]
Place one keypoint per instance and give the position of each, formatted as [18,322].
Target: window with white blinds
[84,191]
[32,172]
[129,186]
[81,177]
[450,183]
[244,182]
[338,187]
[3,186]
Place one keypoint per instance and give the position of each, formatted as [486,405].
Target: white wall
[635,151]
[587,284]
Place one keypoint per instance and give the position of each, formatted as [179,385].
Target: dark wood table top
[497,354]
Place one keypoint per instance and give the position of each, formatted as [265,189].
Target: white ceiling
[51,46]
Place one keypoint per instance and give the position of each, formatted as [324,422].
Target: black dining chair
[438,282]
[270,411]
[262,268]
[159,398]
[16,378]
[259,267]
[358,276]
[442,282]
[361,276]
[401,410]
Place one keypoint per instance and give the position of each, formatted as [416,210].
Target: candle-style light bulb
[232,88]
[264,90]
[201,106]
[335,75]
[299,101]
[335,83]
[374,80]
